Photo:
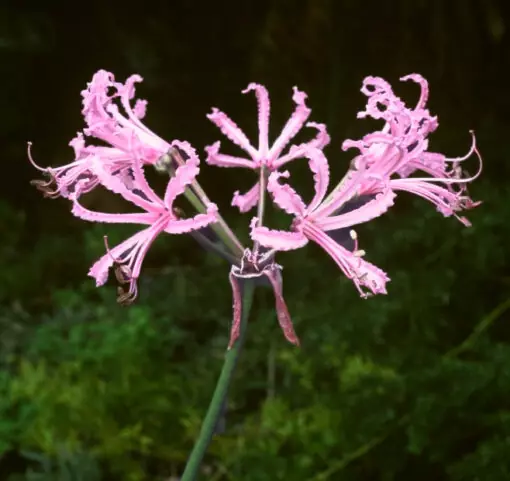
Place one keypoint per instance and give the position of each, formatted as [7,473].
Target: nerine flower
[159,216]
[401,148]
[315,220]
[124,133]
[269,157]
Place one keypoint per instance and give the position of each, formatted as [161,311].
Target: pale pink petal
[320,168]
[374,85]
[232,131]
[189,150]
[184,176]
[245,202]
[78,144]
[424,85]
[140,108]
[284,196]
[296,151]
[322,138]
[263,110]
[371,210]
[293,125]
[361,272]
[223,160]
[99,270]
[181,226]
[446,201]
[353,184]
[139,218]
[105,121]
[115,184]
[135,259]
[278,239]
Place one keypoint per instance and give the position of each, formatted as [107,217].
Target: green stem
[220,393]
[263,175]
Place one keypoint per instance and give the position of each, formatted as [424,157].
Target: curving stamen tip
[108,250]
[31,159]
[354,237]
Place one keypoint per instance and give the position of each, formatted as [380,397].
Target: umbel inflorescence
[386,162]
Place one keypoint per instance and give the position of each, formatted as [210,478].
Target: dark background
[413,385]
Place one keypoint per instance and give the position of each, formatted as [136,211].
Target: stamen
[164,163]
[122,272]
[126,298]
[354,237]
[44,187]
[30,158]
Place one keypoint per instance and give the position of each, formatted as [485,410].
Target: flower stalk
[220,393]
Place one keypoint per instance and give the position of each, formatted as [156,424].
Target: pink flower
[315,220]
[259,266]
[410,126]
[264,155]
[401,148]
[405,128]
[123,133]
[159,216]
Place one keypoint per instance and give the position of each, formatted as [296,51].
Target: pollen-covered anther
[126,297]
[354,237]
[122,273]
[47,187]
[164,163]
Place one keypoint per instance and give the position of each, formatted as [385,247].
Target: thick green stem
[220,393]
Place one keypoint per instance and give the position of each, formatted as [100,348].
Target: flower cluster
[119,168]
[388,161]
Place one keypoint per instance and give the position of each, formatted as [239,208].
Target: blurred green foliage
[379,389]
[413,385]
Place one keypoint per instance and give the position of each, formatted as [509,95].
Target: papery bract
[269,157]
[259,265]
[159,215]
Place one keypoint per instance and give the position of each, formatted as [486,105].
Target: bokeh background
[412,385]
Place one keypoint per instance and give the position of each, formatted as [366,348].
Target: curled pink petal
[248,200]
[139,218]
[361,272]
[223,160]
[424,85]
[298,151]
[229,128]
[370,210]
[284,196]
[320,169]
[269,157]
[278,239]
[293,125]
[264,108]
[182,226]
